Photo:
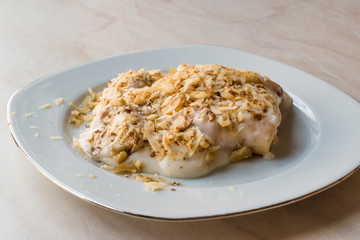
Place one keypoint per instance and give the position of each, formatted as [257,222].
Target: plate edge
[189,219]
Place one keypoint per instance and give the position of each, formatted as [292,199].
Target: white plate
[318,141]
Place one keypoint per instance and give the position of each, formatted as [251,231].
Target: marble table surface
[41,37]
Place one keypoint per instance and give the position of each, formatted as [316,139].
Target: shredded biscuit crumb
[45,106]
[33,127]
[79,175]
[37,135]
[59,101]
[13,114]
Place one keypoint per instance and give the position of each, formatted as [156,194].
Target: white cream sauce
[192,167]
[250,133]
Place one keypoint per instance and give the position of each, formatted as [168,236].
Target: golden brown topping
[157,111]
[81,114]
[124,167]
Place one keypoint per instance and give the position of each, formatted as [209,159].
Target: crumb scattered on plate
[13,114]
[37,135]
[56,138]
[155,182]
[154,186]
[107,167]
[59,101]
[30,114]
[93,176]
[33,127]
[45,106]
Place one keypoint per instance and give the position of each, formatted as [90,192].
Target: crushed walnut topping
[162,112]
[81,113]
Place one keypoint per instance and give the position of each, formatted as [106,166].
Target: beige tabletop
[41,37]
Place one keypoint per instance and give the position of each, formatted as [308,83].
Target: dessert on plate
[184,123]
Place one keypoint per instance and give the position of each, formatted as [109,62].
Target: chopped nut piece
[224,121]
[171,70]
[153,183]
[125,167]
[45,106]
[107,167]
[81,114]
[244,152]
[59,101]
[240,117]
[138,165]
[155,186]
[121,157]
[174,105]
